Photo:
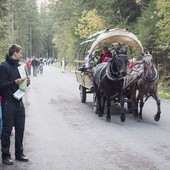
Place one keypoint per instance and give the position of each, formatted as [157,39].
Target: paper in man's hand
[19,94]
[22,71]
[23,75]
[22,87]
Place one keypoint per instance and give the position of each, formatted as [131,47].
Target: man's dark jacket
[34,63]
[8,74]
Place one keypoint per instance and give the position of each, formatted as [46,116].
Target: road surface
[62,133]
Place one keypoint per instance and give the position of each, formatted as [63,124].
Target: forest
[56,27]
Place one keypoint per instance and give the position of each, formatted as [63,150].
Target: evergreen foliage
[56,28]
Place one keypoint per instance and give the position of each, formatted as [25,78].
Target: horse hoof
[140,119]
[157,117]
[108,119]
[100,115]
[135,115]
[96,112]
[123,119]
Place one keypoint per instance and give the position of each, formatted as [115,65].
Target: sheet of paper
[22,71]
[19,94]
[23,85]
[23,74]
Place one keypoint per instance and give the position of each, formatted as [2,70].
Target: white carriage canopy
[121,36]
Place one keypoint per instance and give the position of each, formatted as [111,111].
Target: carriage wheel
[95,103]
[82,94]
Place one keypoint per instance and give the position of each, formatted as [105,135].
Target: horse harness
[109,72]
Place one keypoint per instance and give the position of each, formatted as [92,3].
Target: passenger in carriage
[92,60]
[105,55]
[88,62]
[132,63]
[96,58]
[137,66]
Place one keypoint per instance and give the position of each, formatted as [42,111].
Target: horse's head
[121,63]
[149,70]
[117,66]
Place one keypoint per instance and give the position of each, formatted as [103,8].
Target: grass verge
[164,95]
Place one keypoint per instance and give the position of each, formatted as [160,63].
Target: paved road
[63,133]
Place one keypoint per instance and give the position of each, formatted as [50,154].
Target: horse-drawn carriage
[106,80]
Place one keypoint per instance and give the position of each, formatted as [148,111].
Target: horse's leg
[158,102]
[121,101]
[135,114]
[122,116]
[99,102]
[134,106]
[103,104]
[140,118]
[108,117]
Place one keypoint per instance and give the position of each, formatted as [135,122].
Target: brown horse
[147,86]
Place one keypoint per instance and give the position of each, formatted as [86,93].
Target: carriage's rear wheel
[82,94]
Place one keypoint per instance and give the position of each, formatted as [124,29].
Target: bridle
[113,68]
[150,72]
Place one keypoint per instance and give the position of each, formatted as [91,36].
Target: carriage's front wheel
[82,94]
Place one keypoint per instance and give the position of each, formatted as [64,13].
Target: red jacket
[28,64]
[105,57]
[132,64]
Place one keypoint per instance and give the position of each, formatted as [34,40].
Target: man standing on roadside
[0,116]
[13,110]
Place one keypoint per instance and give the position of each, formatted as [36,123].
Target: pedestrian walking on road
[63,65]
[35,64]
[40,67]
[28,66]
[13,110]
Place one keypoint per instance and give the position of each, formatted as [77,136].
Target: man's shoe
[22,158]
[7,161]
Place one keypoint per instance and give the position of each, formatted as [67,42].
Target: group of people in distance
[36,64]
